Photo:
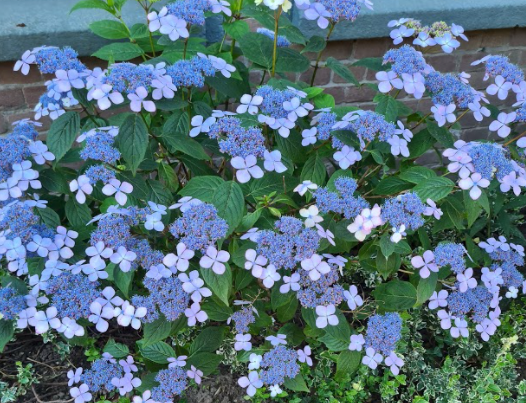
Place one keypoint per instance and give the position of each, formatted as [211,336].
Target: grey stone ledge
[471,14]
[25,24]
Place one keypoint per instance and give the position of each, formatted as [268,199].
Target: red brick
[32,94]
[323,76]
[475,41]
[359,94]
[518,37]
[11,98]
[338,93]
[444,63]
[478,133]
[370,47]
[8,76]
[340,50]
[496,38]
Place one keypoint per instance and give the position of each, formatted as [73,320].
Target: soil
[52,386]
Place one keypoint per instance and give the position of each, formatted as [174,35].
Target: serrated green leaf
[158,352]
[120,51]
[342,70]
[133,141]
[434,188]
[109,29]
[62,134]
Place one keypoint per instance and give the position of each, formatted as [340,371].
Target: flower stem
[320,53]
[515,138]
[275,49]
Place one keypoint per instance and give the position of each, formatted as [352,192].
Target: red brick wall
[19,94]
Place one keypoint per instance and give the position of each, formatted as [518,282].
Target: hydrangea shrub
[275,225]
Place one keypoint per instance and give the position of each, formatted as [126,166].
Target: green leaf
[388,265]
[202,188]
[336,338]
[291,61]
[343,71]
[158,352]
[388,107]
[78,214]
[109,29]
[434,188]
[420,143]
[473,208]
[49,217]
[208,340]
[372,63]
[237,29]
[92,4]
[117,350]
[217,311]
[230,204]
[453,210]
[62,134]
[156,331]
[54,180]
[386,245]
[120,51]
[391,185]
[157,193]
[441,134]
[297,384]
[426,287]
[219,284]
[286,312]
[314,170]
[123,280]
[315,44]
[347,364]
[168,177]
[7,330]
[133,141]
[417,174]
[258,49]
[206,362]
[175,135]
[395,295]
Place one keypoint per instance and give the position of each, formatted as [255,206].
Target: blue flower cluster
[239,141]
[21,221]
[451,254]
[510,275]
[127,77]
[99,147]
[72,295]
[191,73]
[476,300]
[11,303]
[322,292]
[242,319]
[99,173]
[342,9]
[146,256]
[447,89]
[326,121]
[343,201]
[283,42]
[191,11]
[273,100]
[50,59]
[368,126]
[14,148]
[383,332]
[172,383]
[168,295]
[489,159]
[199,227]
[100,374]
[405,59]
[113,230]
[292,245]
[406,209]
[278,364]
[501,66]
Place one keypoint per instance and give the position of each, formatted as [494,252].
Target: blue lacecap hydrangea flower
[191,73]
[242,319]
[72,295]
[383,332]
[172,383]
[475,300]
[447,89]
[99,376]
[322,292]
[343,201]
[278,364]
[452,255]
[240,141]
[50,59]
[11,303]
[405,59]
[406,209]
[191,11]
